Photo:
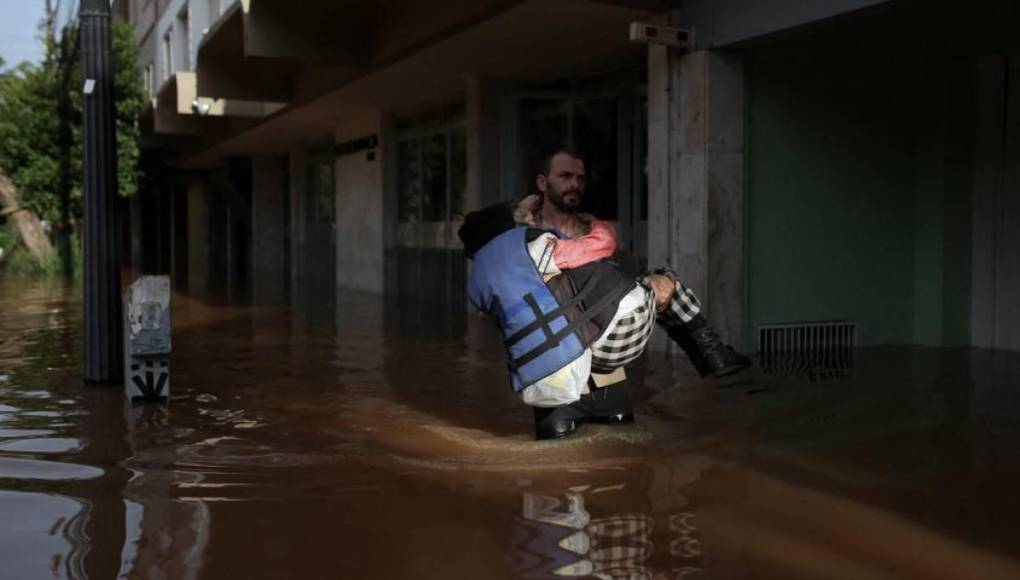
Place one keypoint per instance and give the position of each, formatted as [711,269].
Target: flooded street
[375,441]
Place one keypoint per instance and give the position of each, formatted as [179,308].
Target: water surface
[380,441]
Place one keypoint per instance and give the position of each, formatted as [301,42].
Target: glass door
[606,120]
[317,249]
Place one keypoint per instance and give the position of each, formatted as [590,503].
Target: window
[432,174]
[320,192]
[168,56]
[182,37]
[150,79]
[214,12]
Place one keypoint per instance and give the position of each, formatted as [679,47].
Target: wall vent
[818,350]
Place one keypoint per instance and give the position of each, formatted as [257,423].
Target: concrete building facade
[801,163]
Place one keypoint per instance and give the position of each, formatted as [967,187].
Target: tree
[40,125]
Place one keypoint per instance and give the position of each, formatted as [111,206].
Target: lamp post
[103,333]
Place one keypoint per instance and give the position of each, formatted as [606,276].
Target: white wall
[359,206]
[151,43]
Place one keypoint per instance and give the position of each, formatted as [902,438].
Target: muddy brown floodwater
[375,441]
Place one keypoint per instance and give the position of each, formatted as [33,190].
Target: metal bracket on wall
[647,33]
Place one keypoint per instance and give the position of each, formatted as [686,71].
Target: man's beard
[560,201]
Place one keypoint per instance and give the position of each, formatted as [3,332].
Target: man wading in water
[541,271]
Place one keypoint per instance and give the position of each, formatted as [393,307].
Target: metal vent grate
[820,350]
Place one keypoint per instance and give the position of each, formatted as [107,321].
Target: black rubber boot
[608,405]
[708,353]
[682,336]
[556,422]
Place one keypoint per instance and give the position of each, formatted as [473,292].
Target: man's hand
[664,287]
[527,208]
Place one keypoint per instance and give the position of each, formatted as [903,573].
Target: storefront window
[458,173]
[434,161]
[320,190]
[426,263]
[432,175]
[409,180]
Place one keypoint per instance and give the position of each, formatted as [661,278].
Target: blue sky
[19,28]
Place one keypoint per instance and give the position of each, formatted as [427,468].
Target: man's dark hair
[545,165]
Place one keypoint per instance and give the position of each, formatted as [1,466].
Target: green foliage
[40,123]
[41,131]
[130,98]
[28,126]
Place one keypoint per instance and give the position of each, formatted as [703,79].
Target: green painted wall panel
[831,191]
[860,178]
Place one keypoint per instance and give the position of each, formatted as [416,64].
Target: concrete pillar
[269,230]
[995,274]
[179,237]
[696,178]
[359,205]
[483,142]
[136,228]
[199,241]
[298,185]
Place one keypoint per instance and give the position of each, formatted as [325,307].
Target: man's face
[564,186]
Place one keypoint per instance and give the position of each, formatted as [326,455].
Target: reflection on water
[29,469]
[630,522]
[571,543]
[370,439]
[43,535]
[41,445]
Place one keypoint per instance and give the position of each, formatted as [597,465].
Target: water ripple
[46,470]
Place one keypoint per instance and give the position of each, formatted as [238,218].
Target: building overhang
[729,23]
[224,72]
[160,117]
[522,40]
[180,95]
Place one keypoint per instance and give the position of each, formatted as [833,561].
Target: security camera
[200,107]
[658,34]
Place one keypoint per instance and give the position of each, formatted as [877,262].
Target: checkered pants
[629,336]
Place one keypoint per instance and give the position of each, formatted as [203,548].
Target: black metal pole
[103,334]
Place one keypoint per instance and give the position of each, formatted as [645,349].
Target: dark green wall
[859,177]
[944,183]
[830,191]
[860,169]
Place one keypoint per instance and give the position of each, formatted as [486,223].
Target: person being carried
[565,311]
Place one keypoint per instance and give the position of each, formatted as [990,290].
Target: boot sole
[730,370]
[612,419]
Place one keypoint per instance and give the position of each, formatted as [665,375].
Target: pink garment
[599,243]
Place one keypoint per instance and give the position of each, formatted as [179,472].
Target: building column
[269,230]
[359,204]
[995,265]
[298,185]
[696,178]
[179,237]
[199,239]
[136,227]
